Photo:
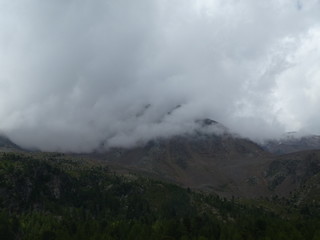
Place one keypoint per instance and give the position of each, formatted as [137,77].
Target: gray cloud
[75,74]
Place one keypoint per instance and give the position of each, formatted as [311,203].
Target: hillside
[296,174]
[54,196]
[218,162]
[7,145]
[222,163]
[166,189]
[292,143]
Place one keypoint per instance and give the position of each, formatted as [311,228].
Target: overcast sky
[75,73]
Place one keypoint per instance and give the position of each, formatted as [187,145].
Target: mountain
[292,143]
[214,160]
[55,197]
[209,184]
[217,161]
[7,145]
[296,174]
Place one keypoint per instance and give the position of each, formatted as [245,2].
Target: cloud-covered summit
[78,73]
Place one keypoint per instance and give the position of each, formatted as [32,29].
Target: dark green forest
[51,196]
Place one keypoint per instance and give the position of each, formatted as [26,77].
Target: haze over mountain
[222,163]
[75,74]
[7,145]
[292,143]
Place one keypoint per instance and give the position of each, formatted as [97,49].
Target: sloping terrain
[290,144]
[222,163]
[54,196]
[296,174]
[132,193]
[7,145]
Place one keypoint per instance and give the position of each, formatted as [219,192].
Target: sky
[78,74]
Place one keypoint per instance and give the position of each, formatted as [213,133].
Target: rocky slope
[125,193]
[218,162]
[292,143]
[210,158]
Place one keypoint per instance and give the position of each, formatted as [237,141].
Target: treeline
[53,197]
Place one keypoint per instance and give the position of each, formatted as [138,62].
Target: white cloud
[297,94]
[78,73]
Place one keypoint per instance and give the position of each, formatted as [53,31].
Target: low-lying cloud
[76,75]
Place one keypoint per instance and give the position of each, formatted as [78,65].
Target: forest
[49,196]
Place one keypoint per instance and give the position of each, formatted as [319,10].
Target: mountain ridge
[292,143]
[214,161]
[7,145]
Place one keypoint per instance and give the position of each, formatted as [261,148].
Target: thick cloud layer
[80,74]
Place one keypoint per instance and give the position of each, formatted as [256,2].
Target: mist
[76,75]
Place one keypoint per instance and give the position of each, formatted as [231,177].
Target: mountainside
[7,145]
[174,188]
[55,196]
[296,174]
[222,163]
[217,162]
[292,143]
